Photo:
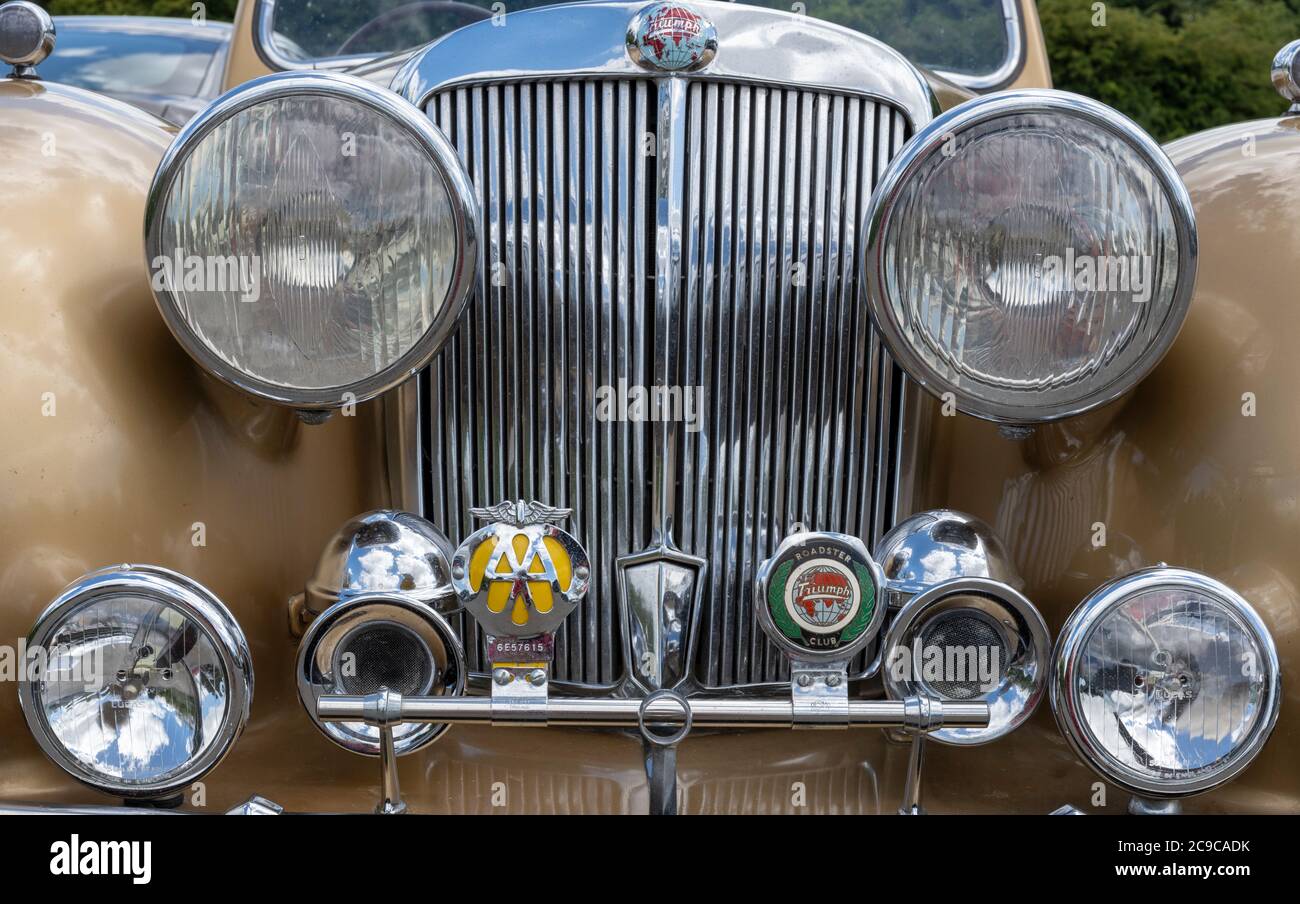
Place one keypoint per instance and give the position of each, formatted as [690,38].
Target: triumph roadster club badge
[521,575]
[672,37]
[817,598]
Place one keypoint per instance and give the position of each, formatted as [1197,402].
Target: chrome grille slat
[755,298]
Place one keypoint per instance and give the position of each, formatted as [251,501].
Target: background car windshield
[117,61]
[961,36]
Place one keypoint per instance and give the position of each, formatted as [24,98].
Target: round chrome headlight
[370,641]
[1032,253]
[311,239]
[970,640]
[141,681]
[1166,682]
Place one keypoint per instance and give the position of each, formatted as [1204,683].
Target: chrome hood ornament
[671,37]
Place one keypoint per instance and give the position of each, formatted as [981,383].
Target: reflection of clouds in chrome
[943,564]
[932,664]
[401,563]
[135,733]
[1167,683]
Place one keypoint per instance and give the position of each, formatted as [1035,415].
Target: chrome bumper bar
[913,714]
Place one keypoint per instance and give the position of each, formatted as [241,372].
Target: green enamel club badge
[818,597]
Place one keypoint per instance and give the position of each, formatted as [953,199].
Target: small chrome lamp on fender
[142,682]
[1031,256]
[964,632]
[1166,682]
[935,546]
[26,37]
[1286,75]
[277,264]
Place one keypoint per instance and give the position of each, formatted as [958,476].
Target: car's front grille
[765,315]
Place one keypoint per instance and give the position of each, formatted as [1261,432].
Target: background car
[170,67]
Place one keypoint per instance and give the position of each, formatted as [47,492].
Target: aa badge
[521,575]
[818,597]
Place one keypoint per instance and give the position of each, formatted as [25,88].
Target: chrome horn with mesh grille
[962,632]
[372,625]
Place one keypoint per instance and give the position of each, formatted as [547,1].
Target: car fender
[116,448]
[1199,466]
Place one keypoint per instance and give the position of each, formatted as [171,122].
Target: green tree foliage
[1176,66]
[217,10]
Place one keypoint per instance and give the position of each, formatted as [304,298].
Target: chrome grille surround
[719,256]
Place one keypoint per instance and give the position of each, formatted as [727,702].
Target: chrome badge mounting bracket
[520,576]
[819,600]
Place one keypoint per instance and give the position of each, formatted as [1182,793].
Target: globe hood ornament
[671,37]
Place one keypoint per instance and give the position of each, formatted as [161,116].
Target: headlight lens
[142,681]
[1033,253]
[311,236]
[1166,682]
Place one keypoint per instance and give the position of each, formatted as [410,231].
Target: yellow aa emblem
[523,570]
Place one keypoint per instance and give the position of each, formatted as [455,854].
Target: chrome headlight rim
[916,154]
[173,589]
[420,128]
[331,621]
[927,605]
[1078,629]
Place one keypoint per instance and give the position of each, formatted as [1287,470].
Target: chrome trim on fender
[461,201]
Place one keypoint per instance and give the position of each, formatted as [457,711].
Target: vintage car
[171,67]
[612,391]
